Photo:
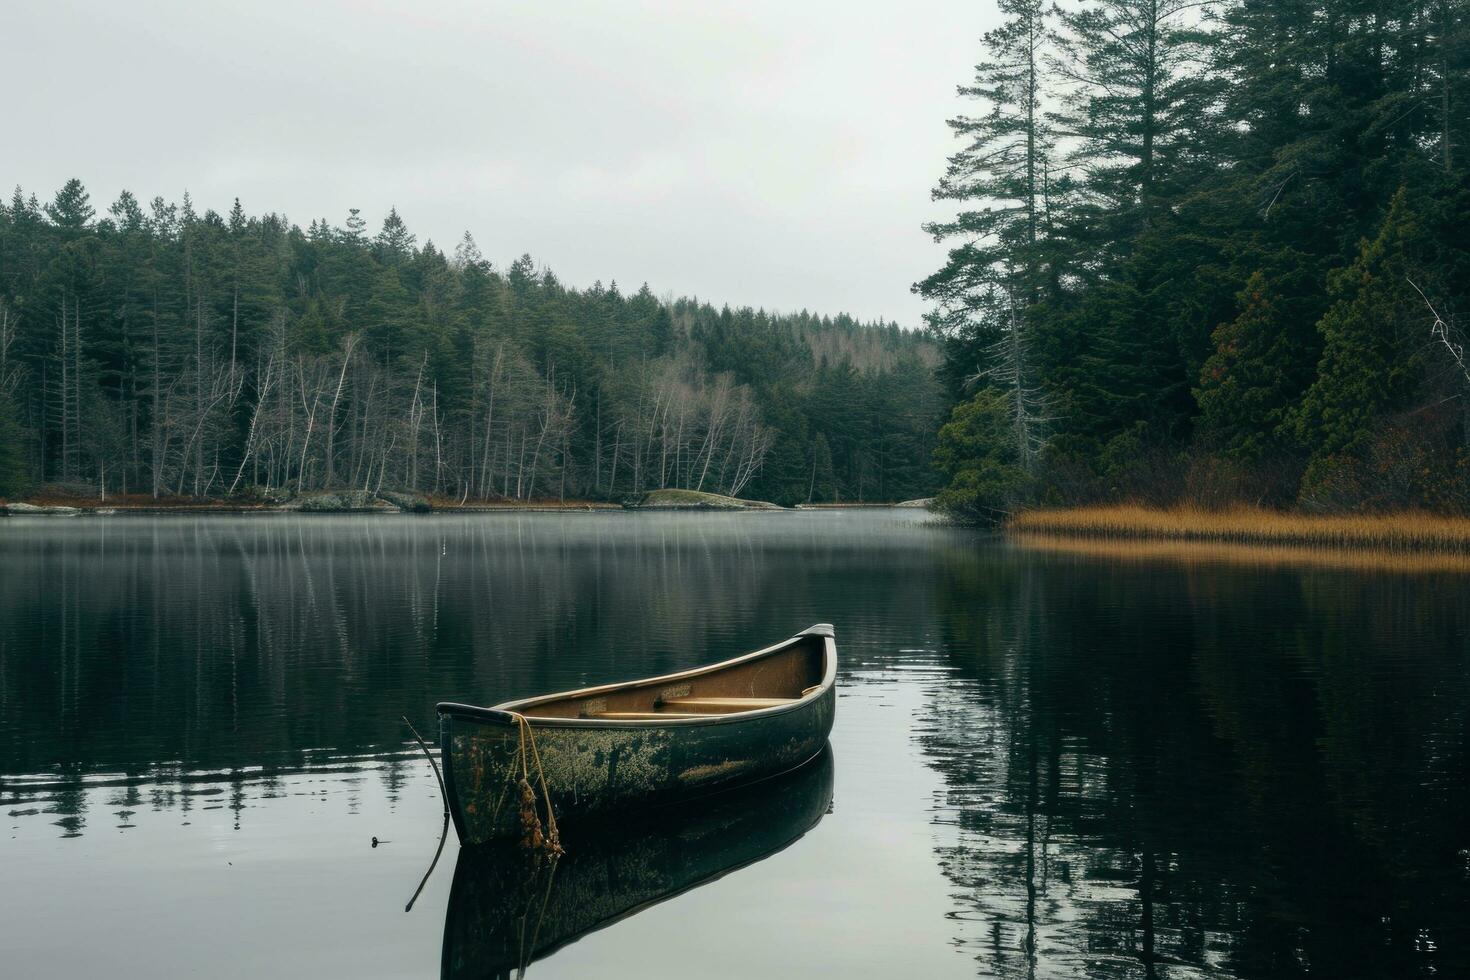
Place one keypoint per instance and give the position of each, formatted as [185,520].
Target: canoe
[640,743]
[507,909]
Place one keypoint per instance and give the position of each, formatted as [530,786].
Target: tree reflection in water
[1167,770]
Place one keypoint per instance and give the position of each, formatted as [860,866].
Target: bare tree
[11,370]
[349,344]
[262,395]
[1009,368]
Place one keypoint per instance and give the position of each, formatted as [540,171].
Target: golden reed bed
[1416,534]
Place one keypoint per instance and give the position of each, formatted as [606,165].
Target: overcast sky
[776,154]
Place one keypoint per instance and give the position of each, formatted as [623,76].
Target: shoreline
[65,506]
[79,507]
[1409,532]
[235,511]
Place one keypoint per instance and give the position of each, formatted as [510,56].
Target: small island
[697,500]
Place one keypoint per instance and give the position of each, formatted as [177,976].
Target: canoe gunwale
[506,712]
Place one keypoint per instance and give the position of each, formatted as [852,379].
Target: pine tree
[71,210]
[389,318]
[128,214]
[998,179]
[1138,107]
[1253,377]
[355,230]
[1370,336]
[394,243]
[163,219]
[237,218]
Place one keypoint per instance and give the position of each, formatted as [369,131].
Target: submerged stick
[444,831]
[443,793]
[443,836]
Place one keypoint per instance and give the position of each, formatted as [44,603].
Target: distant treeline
[161,351]
[1210,252]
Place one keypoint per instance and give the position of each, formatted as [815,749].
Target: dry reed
[1404,532]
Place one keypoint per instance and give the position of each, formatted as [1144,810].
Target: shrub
[977,451]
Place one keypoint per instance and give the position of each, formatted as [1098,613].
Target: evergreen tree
[71,210]
[1138,106]
[977,452]
[389,320]
[394,243]
[1249,384]
[997,178]
[128,214]
[1371,339]
[354,232]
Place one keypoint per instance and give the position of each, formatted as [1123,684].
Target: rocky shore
[56,503]
[280,502]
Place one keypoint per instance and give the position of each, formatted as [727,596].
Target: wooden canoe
[645,742]
[507,908]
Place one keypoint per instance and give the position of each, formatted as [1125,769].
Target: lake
[1046,762]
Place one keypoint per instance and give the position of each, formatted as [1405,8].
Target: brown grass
[1405,532]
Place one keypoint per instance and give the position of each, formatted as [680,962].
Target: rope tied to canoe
[535,835]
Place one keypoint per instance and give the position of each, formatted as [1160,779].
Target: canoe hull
[591,771]
[593,768]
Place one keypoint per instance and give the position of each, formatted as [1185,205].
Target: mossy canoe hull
[598,764]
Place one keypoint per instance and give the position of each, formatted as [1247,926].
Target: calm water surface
[1043,765]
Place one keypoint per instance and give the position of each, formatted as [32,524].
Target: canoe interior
[775,678]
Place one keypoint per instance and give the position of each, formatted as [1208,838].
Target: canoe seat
[695,708]
[722,706]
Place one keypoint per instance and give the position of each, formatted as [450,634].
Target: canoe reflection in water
[508,907]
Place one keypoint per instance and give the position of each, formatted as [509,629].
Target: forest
[1208,254]
[159,352]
